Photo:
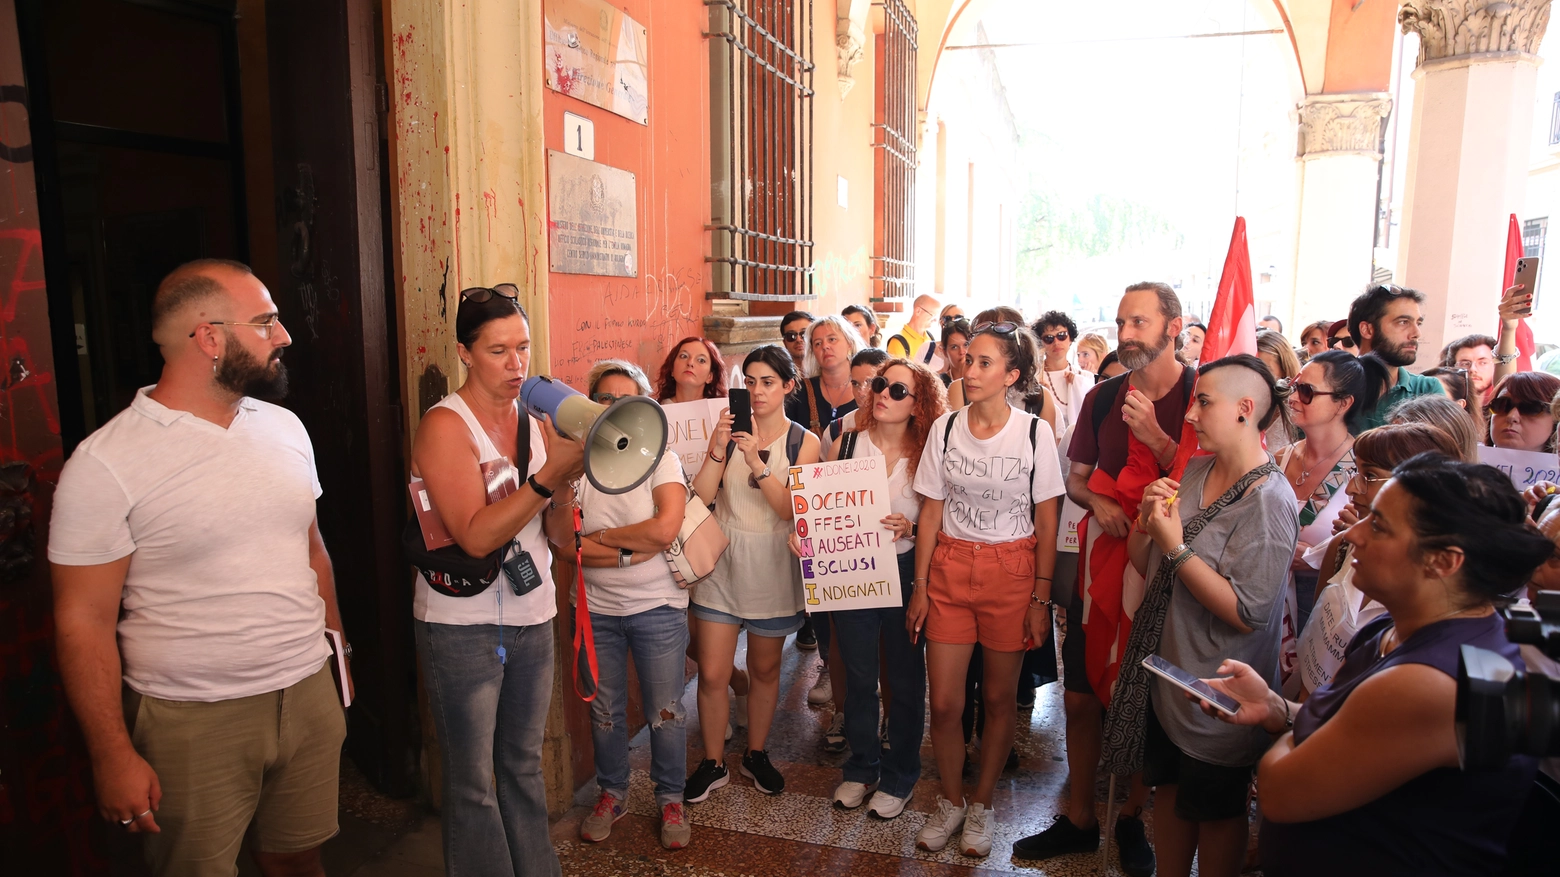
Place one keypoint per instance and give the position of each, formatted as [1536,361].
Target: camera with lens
[1503,711]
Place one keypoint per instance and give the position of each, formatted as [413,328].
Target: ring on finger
[134,818]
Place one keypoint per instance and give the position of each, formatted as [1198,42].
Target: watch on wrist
[762,475]
[625,558]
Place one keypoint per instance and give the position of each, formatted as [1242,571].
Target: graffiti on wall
[633,320]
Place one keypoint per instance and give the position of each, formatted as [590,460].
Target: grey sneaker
[834,737]
[598,825]
[674,826]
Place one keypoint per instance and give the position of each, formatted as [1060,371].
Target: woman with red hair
[692,371]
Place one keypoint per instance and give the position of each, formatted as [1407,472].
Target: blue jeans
[658,640]
[490,718]
[859,630]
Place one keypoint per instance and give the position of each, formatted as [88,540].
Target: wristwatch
[624,558]
[762,475]
[541,491]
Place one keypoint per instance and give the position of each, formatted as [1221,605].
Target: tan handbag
[699,544]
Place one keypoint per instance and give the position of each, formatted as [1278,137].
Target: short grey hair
[608,367]
[810,365]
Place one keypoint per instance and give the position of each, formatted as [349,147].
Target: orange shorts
[979,592]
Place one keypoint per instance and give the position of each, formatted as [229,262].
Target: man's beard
[1394,354]
[245,375]
[1134,355]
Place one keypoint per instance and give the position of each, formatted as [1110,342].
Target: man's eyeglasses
[1306,392]
[793,337]
[1059,336]
[1003,327]
[1503,405]
[896,391]
[479,294]
[1469,364]
[264,327]
[1344,341]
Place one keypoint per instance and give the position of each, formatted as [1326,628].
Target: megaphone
[624,441]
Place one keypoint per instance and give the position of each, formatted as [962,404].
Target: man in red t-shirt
[1118,447]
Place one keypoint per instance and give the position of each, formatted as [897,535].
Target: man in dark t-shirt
[1142,409]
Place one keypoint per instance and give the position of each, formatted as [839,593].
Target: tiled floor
[739,832]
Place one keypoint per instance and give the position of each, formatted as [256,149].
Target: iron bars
[894,155]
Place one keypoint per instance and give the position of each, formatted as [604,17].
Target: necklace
[1045,378]
[1305,474]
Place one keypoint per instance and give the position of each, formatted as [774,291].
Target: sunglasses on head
[945,319]
[1059,336]
[1305,392]
[1344,341]
[896,391]
[479,294]
[1503,405]
[1003,327]
[763,457]
[791,337]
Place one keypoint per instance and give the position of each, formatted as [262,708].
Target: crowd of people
[1308,527]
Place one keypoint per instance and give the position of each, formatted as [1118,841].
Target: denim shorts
[779,628]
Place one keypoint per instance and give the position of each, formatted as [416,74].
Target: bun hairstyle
[873,356]
[471,316]
[1347,377]
[1473,508]
[777,358]
[1020,350]
[1277,393]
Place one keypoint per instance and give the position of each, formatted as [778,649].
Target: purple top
[1444,821]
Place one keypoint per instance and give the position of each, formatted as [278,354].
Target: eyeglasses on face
[1059,336]
[264,327]
[1470,364]
[479,294]
[793,337]
[1360,474]
[606,398]
[897,391]
[1344,341]
[1503,405]
[1003,327]
[1306,392]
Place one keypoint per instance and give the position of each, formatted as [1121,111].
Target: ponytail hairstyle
[931,402]
[778,359]
[1474,509]
[1343,370]
[1277,392]
[1020,350]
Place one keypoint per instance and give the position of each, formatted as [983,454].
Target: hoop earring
[213,364]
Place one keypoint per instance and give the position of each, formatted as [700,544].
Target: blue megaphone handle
[541,395]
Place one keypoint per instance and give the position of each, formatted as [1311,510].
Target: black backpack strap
[1034,424]
[848,445]
[1103,399]
[948,430]
[793,442]
[1188,383]
[523,444]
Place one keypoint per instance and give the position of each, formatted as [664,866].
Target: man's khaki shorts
[271,761]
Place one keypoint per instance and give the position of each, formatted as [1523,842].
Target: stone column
[1467,156]
[1340,160]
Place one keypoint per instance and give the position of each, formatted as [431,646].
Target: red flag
[1525,345]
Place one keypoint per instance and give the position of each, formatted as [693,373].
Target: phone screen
[741,411]
[1187,682]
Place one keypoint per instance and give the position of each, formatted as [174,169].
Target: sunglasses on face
[1059,336]
[1503,405]
[896,391]
[763,456]
[1306,392]
[793,337]
[1344,341]
[479,294]
[1003,327]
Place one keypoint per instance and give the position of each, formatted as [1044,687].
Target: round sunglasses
[1306,392]
[479,294]
[897,391]
[1059,336]
[1003,327]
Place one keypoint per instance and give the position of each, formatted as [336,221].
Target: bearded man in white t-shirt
[192,592]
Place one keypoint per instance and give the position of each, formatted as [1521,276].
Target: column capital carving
[1343,124]
[848,51]
[1449,28]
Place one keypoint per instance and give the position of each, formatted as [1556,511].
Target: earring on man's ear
[213,363]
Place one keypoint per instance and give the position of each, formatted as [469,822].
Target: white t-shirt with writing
[219,601]
[644,586]
[988,486]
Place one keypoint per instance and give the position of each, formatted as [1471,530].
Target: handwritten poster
[597,54]
[689,426]
[1067,532]
[1525,468]
[848,560]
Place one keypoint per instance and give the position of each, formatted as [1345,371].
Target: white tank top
[540,604]
[902,498]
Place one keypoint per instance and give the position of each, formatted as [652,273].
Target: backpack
[1104,400]
[794,436]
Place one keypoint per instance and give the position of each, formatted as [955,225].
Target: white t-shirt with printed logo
[989,486]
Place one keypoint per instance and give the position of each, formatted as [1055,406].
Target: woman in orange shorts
[983,569]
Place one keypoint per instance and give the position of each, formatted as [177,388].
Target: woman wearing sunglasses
[906,398]
[1324,402]
[756,584]
[1519,412]
[636,608]
[985,555]
[1067,382]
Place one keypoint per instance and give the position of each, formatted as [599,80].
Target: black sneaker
[1060,839]
[1012,761]
[709,777]
[1137,857]
[1026,697]
[807,638]
[756,766]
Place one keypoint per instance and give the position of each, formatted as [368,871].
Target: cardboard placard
[848,559]
[1524,468]
[689,426]
[1067,529]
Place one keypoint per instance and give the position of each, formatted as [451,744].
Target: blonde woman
[1092,350]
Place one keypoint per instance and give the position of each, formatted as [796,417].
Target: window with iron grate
[894,155]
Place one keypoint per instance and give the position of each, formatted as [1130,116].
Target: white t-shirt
[1069,395]
[219,601]
[644,586]
[902,498]
[989,485]
[538,605]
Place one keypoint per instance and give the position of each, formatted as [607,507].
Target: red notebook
[498,475]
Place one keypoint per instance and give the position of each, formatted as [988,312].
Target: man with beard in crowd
[192,593]
[1385,320]
[1126,436]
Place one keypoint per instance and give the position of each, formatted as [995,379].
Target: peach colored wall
[1359,46]
[639,318]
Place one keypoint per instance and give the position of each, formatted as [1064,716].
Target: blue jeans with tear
[490,719]
[658,640]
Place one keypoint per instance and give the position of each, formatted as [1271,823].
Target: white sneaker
[739,716]
[940,826]
[849,795]
[885,806]
[979,825]
[821,692]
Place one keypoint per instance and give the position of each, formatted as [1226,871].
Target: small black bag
[450,570]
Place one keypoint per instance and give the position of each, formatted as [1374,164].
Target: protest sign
[848,559]
[1067,532]
[689,426]
[1524,468]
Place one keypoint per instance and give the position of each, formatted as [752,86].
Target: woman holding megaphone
[487,657]
[757,584]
